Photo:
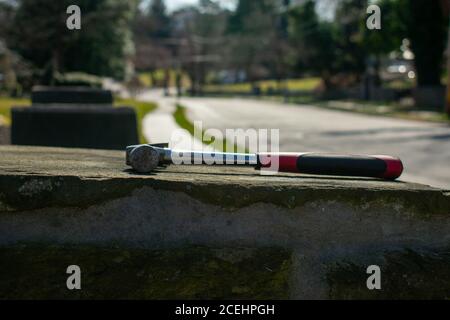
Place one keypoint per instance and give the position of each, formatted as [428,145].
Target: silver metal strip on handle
[210,158]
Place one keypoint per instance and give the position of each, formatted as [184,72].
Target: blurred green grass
[225,146]
[142,109]
[159,75]
[6,103]
[305,84]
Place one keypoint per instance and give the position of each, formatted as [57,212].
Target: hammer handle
[384,167]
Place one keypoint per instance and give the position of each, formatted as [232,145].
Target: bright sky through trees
[176,4]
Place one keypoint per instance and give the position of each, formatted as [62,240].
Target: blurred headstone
[71,95]
[75,127]
[74,117]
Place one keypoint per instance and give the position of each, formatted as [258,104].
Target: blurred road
[159,126]
[423,147]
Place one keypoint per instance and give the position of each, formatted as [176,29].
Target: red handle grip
[385,167]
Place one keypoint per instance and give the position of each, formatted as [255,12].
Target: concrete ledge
[329,229]
[103,175]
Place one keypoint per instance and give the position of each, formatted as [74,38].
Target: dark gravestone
[71,95]
[75,127]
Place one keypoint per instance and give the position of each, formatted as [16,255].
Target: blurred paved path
[159,126]
[423,147]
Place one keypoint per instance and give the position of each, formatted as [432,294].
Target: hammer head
[157,146]
[143,158]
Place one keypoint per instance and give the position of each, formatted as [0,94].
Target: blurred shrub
[78,79]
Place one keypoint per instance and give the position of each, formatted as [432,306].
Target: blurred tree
[152,31]
[427,29]
[379,43]
[348,43]
[393,29]
[282,50]
[314,43]
[252,32]
[15,73]
[160,21]
[424,24]
[6,17]
[334,50]
[351,54]
[102,47]
[200,35]
[105,45]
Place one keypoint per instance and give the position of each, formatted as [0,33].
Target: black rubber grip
[336,165]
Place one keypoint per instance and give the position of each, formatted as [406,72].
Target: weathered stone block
[80,127]
[71,95]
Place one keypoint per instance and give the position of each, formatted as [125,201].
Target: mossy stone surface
[39,272]
[405,274]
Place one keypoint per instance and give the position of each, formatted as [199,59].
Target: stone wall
[210,232]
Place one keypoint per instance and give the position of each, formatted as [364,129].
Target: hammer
[148,157]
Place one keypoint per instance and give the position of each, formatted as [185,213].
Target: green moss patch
[6,103]
[404,275]
[39,272]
